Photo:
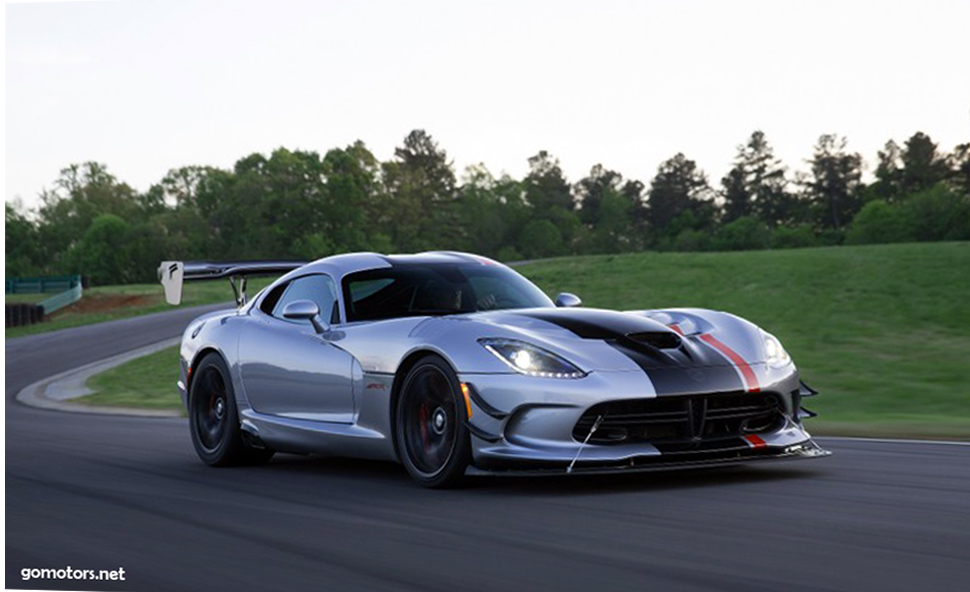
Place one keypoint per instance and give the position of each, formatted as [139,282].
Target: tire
[214,420]
[430,431]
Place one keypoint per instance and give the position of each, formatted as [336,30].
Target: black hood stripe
[694,367]
[590,323]
[678,376]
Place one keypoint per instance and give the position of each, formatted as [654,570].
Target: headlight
[529,359]
[775,354]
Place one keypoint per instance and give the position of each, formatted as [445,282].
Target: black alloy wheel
[432,437]
[213,419]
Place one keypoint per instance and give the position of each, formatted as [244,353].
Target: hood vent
[591,323]
[657,339]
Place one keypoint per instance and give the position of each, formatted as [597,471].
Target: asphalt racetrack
[103,492]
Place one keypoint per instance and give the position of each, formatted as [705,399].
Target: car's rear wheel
[213,420]
[432,438]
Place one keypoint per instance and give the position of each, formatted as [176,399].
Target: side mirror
[567,300]
[305,310]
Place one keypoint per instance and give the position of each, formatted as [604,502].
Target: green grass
[147,382]
[107,303]
[26,298]
[882,331]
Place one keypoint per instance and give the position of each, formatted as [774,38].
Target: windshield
[436,289]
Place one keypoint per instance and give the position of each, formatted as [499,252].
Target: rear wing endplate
[173,273]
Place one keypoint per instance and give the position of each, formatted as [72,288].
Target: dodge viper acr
[448,361]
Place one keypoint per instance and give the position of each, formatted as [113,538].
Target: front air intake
[704,421]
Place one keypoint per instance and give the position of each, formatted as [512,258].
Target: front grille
[683,422]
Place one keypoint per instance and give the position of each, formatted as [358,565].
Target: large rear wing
[173,273]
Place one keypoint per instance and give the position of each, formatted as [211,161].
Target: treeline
[297,204]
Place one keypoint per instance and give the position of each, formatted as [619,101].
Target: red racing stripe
[755,441]
[676,328]
[737,360]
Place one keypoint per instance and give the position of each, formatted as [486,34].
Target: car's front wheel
[432,438]
[213,420]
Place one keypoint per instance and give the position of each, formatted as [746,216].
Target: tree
[492,211]
[103,253]
[765,181]
[960,160]
[183,185]
[546,188]
[549,196]
[880,222]
[744,234]
[351,197]
[938,214]
[633,192]
[756,185]
[82,193]
[889,172]
[420,202]
[608,211]
[923,166]
[270,204]
[21,242]
[540,238]
[935,214]
[218,209]
[679,198]
[835,184]
[737,199]
[590,191]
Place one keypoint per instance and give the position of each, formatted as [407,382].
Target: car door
[288,369]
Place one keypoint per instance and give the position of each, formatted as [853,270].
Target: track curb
[55,393]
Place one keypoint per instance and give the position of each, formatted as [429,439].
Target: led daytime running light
[531,360]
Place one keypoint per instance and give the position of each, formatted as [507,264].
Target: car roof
[338,266]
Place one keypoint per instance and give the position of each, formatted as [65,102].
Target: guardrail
[63,299]
[61,283]
[69,291]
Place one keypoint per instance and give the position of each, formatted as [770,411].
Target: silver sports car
[448,361]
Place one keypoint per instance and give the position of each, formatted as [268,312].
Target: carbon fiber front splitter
[807,449]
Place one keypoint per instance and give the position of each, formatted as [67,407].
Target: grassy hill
[883,331]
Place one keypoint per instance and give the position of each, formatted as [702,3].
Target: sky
[146,86]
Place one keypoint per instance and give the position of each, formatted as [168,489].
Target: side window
[316,288]
[269,303]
